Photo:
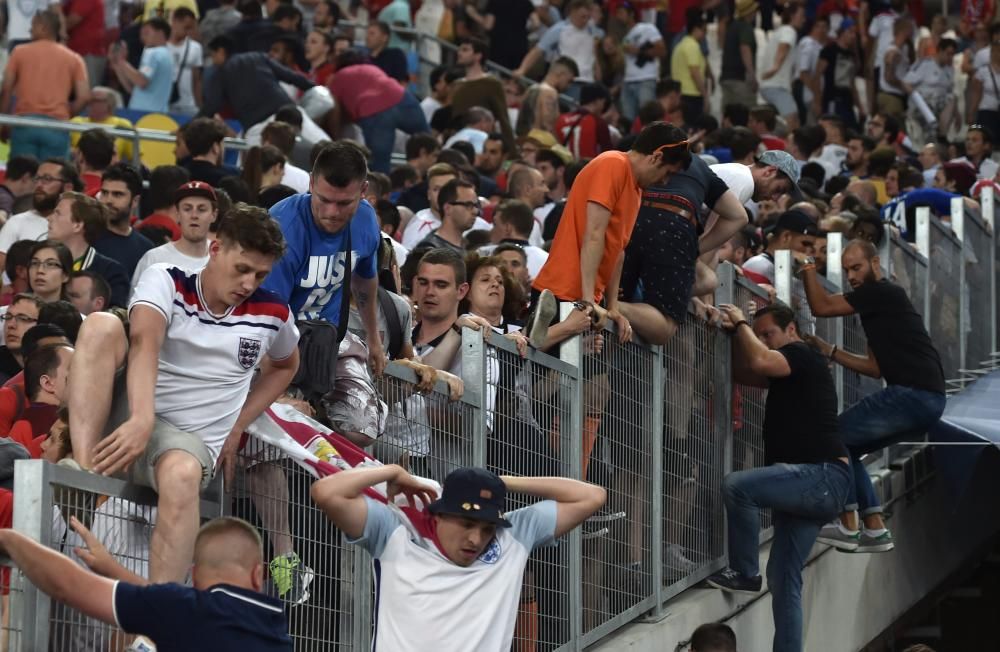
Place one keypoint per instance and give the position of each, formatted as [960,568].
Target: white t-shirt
[167,253]
[881,30]
[429,106]
[931,80]
[738,177]
[207,361]
[295,178]
[981,58]
[427,602]
[185,85]
[761,264]
[640,34]
[986,76]
[578,45]
[19,15]
[474,137]
[28,225]
[783,78]
[987,169]
[536,256]
[426,221]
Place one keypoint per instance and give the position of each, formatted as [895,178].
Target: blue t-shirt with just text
[311,273]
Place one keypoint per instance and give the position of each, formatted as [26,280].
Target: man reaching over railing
[224,611]
[170,401]
[807,475]
[450,571]
[901,352]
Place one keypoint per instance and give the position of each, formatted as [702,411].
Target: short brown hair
[90,212]
[281,135]
[253,229]
[517,214]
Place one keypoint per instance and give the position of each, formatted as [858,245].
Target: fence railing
[658,427]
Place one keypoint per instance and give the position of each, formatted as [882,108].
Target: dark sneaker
[538,323]
[834,534]
[732,582]
[880,543]
[291,577]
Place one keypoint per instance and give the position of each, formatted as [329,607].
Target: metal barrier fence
[658,427]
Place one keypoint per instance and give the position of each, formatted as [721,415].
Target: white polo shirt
[426,602]
[207,361]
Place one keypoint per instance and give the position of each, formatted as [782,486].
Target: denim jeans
[802,497]
[634,95]
[380,129]
[876,421]
[38,142]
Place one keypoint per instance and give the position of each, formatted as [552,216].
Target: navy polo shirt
[220,619]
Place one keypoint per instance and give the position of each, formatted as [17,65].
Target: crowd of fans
[406,216]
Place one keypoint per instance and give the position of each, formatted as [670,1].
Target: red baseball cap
[195,189]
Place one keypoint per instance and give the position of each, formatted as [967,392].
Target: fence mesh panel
[979,251]
[11,632]
[693,454]
[617,439]
[945,296]
[528,436]
[272,492]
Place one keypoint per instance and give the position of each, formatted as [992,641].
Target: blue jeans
[635,94]
[38,142]
[803,497]
[380,129]
[879,420]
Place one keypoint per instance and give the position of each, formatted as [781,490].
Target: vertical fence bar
[924,248]
[835,274]
[986,201]
[33,518]
[885,251]
[656,508]
[571,352]
[958,228]
[474,376]
[726,293]
[783,276]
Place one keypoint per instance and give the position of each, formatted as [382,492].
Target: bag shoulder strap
[345,294]
[393,327]
[184,58]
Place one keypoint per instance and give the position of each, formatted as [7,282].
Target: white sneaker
[675,559]
[141,644]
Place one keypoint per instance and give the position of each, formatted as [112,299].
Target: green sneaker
[881,543]
[291,577]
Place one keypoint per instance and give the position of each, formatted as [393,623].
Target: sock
[875,533]
[844,530]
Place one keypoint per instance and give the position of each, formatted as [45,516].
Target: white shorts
[781,99]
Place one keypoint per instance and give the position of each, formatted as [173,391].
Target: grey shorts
[781,99]
[165,438]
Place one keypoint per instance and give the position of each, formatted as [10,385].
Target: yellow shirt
[687,55]
[163,8]
[123,146]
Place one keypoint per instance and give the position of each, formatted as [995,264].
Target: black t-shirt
[509,37]
[840,72]
[126,249]
[9,366]
[800,416]
[896,334]
[740,32]
[392,61]
[697,184]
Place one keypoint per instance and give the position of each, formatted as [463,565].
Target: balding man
[901,352]
[224,611]
[528,185]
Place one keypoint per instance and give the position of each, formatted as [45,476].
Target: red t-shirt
[321,75]
[364,90]
[773,142]
[165,221]
[91,183]
[88,35]
[584,134]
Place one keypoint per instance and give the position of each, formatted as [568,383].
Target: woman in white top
[776,79]
[984,98]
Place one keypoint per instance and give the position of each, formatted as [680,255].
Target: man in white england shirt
[169,401]
[450,575]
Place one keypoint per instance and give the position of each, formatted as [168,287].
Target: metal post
[923,241]
[656,511]
[33,518]
[726,293]
[986,201]
[835,274]
[885,251]
[571,352]
[958,228]
[474,375]
[783,275]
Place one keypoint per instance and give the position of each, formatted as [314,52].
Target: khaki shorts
[165,437]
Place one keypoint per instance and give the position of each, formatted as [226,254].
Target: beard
[120,217]
[44,203]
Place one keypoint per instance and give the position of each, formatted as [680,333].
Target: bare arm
[530,59]
[889,65]
[575,500]
[592,251]
[365,291]
[98,559]
[863,364]
[705,280]
[196,85]
[779,58]
[732,218]
[747,56]
[821,302]
[7,92]
[340,495]
[759,359]
[975,97]
[60,577]
[548,110]
[81,95]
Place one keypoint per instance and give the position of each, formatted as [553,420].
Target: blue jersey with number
[311,273]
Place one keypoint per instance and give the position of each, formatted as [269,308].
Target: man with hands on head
[169,401]
[807,475]
[900,351]
[450,575]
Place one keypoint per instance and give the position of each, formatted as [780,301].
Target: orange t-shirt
[45,72]
[608,181]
